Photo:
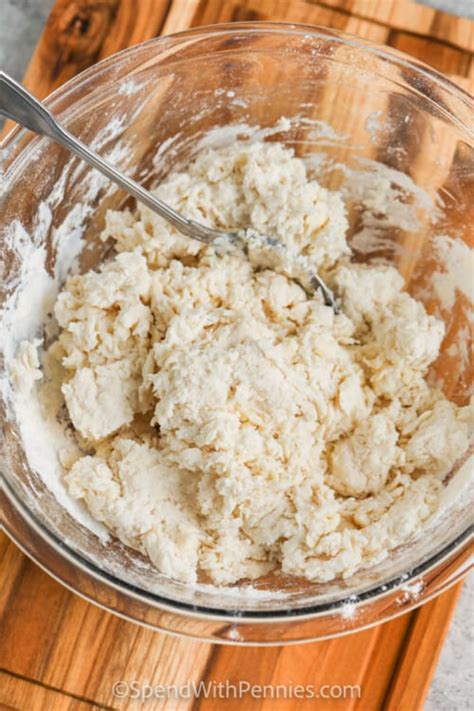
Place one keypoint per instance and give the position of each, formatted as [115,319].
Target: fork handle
[18,104]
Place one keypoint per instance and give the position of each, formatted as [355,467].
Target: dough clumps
[233,424]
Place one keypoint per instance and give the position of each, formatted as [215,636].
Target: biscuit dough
[231,424]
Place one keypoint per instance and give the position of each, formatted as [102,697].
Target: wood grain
[412,18]
[60,649]
[450,51]
[59,652]
[81,32]
[18,693]
[431,621]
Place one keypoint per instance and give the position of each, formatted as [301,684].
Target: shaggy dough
[233,425]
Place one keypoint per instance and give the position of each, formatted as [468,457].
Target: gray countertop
[452,688]
[453,683]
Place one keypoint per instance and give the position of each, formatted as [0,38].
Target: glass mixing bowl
[365,119]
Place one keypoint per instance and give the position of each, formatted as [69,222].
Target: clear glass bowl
[348,103]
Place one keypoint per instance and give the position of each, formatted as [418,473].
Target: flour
[348,610]
[411,592]
[233,426]
[236,426]
[456,272]
[26,313]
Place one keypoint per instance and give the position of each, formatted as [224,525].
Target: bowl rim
[14,136]
[389,54]
[216,613]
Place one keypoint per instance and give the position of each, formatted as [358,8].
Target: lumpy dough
[233,424]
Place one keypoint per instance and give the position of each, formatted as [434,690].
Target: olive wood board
[59,652]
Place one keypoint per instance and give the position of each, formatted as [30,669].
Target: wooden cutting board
[58,652]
